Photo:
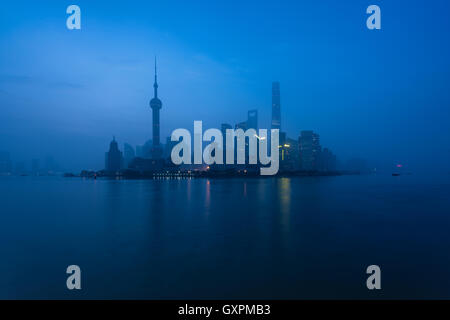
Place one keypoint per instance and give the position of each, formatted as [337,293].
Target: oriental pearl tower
[156,105]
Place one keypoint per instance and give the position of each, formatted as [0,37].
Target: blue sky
[382,95]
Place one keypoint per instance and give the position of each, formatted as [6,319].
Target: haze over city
[375,95]
[189,152]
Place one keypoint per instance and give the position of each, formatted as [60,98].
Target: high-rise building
[128,154]
[156,105]
[276,108]
[168,147]
[242,149]
[289,153]
[241,125]
[328,160]
[252,119]
[222,168]
[145,150]
[282,138]
[113,158]
[309,150]
[224,127]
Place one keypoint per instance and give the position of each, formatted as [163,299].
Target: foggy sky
[381,95]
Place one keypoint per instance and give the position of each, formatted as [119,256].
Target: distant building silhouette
[282,138]
[327,160]
[222,167]
[238,149]
[156,105]
[139,152]
[223,128]
[241,125]
[145,150]
[128,154]
[276,108]
[289,153]
[113,158]
[252,119]
[309,150]
[168,148]
[250,123]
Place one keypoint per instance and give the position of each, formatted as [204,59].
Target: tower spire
[155,85]
[156,105]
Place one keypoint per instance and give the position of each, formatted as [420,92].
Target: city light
[260,138]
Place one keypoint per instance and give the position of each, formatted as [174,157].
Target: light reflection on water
[224,238]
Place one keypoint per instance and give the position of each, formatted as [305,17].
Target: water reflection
[245,189]
[284,194]
[207,195]
[156,199]
[215,238]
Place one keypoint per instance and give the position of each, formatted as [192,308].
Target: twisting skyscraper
[156,105]
[276,113]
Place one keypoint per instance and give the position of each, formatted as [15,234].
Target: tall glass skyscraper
[276,113]
[310,150]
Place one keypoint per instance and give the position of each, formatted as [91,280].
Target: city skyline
[293,156]
[357,88]
[236,153]
[115,159]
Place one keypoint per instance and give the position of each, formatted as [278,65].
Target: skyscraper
[113,158]
[276,112]
[309,147]
[156,105]
[128,154]
[252,119]
[168,148]
[223,128]
[328,160]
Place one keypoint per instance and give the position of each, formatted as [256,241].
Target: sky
[382,95]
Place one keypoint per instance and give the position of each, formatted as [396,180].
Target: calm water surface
[225,238]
